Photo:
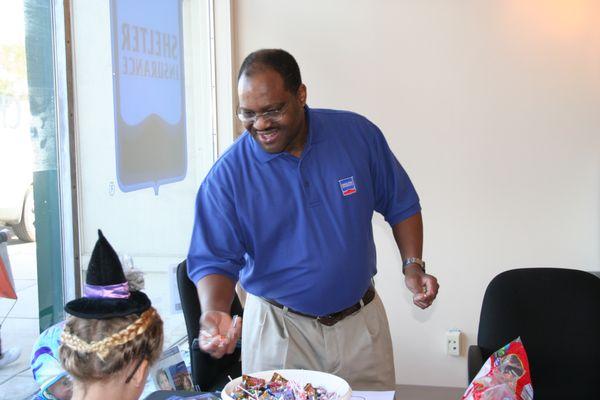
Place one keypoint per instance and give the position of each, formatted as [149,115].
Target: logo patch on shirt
[347,186]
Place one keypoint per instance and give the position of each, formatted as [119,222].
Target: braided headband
[102,347]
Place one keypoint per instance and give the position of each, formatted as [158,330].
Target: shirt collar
[313,137]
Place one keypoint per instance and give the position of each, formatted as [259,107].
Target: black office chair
[208,373]
[556,312]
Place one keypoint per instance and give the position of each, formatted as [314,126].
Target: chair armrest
[474,362]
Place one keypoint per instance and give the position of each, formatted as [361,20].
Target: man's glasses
[251,117]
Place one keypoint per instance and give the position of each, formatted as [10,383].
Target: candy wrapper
[251,382]
[504,376]
[278,388]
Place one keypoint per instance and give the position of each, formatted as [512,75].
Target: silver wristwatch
[413,260]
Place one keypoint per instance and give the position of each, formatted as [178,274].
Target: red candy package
[504,376]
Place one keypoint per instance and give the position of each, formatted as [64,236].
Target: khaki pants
[357,349]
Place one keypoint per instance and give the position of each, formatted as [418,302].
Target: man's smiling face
[283,127]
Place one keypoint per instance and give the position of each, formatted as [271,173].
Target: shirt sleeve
[216,246]
[395,196]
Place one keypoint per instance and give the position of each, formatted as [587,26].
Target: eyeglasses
[271,115]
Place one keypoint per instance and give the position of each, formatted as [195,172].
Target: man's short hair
[278,60]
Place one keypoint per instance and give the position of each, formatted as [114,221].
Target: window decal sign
[148,91]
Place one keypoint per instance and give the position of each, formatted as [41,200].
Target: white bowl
[302,376]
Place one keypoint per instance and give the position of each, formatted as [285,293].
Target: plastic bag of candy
[504,376]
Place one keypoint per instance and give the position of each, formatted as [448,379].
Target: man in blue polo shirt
[287,210]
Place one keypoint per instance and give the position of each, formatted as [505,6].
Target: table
[404,392]
[165,394]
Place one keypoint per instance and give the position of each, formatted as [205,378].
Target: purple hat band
[118,291]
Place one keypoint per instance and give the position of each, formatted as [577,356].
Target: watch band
[413,260]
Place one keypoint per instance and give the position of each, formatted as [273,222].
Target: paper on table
[372,395]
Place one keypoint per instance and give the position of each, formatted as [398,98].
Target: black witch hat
[106,291]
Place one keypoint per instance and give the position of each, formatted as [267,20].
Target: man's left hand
[424,287]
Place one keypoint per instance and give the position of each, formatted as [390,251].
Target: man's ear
[139,377]
[302,94]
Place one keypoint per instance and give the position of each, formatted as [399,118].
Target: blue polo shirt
[298,230]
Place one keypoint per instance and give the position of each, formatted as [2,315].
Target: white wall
[493,109]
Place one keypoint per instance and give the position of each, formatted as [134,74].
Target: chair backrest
[209,373]
[556,312]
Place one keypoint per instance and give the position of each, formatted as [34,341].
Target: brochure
[170,372]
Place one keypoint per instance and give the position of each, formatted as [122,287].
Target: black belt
[332,319]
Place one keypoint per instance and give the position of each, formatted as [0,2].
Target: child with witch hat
[113,335]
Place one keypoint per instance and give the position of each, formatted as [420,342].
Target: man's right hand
[219,333]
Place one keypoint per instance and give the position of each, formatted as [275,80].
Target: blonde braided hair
[102,347]
[94,349]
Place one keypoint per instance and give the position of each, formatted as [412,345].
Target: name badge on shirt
[347,186]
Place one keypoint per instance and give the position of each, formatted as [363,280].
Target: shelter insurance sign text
[149,98]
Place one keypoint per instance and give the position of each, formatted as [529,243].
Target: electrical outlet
[453,342]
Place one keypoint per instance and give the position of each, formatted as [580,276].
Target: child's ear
[139,377]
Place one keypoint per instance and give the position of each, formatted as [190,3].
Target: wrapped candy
[278,388]
[504,376]
[251,382]
[277,378]
[311,392]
